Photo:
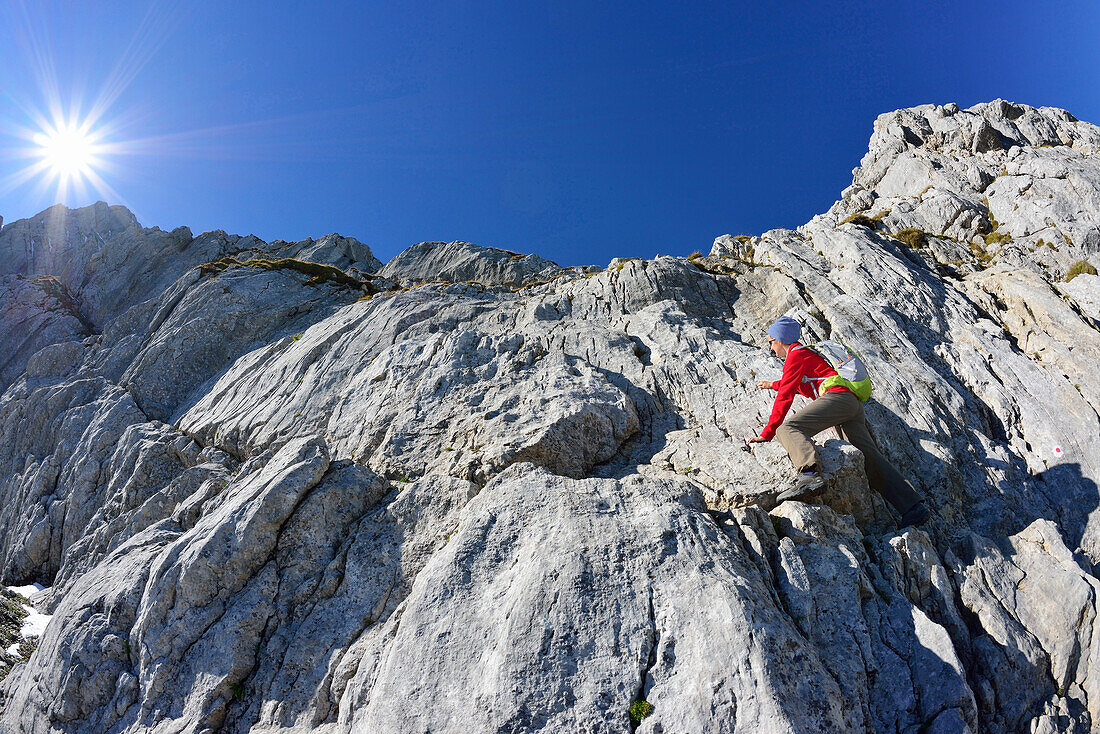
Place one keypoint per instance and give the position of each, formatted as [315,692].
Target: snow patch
[35,623]
[27,591]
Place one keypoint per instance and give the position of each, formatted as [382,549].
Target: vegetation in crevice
[54,288]
[640,709]
[318,272]
[912,237]
[981,253]
[1081,266]
[624,261]
[862,220]
[12,614]
[992,236]
[532,284]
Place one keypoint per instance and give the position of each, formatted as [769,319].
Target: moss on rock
[639,710]
[862,220]
[1081,266]
[912,237]
[318,272]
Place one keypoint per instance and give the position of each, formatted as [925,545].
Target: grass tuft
[912,237]
[1081,266]
[862,220]
[318,272]
[981,253]
[639,710]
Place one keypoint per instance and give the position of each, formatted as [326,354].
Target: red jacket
[800,362]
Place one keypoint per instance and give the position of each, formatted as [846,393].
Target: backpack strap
[806,378]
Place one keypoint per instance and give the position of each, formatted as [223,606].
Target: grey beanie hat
[785,330]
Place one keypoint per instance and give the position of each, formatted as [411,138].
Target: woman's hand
[765,385]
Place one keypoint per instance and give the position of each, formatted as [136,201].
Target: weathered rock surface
[346,253]
[461,261]
[101,255]
[37,313]
[202,324]
[95,263]
[480,492]
[1014,181]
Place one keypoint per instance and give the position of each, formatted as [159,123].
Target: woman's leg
[881,474]
[797,432]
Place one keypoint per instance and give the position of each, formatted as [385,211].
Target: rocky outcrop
[1011,180]
[67,273]
[37,313]
[101,255]
[244,307]
[477,491]
[346,253]
[458,262]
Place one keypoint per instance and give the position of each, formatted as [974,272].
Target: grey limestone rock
[107,262]
[100,254]
[393,383]
[595,591]
[462,261]
[346,253]
[203,323]
[56,438]
[479,492]
[1084,291]
[1022,173]
[34,313]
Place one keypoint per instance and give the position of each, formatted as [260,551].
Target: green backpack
[850,370]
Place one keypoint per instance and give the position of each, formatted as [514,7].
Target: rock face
[1025,179]
[272,492]
[346,253]
[461,261]
[37,313]
[65,274]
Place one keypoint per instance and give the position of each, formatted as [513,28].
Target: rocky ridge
[280,487]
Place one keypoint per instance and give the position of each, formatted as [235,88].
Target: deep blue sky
[578,133]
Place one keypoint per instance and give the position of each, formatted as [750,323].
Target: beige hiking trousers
[844,411]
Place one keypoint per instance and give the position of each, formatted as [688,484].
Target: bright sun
[67,150]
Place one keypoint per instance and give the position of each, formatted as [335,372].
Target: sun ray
[14,180]
[71,144]
[103,187]
[156,27]
[35,43]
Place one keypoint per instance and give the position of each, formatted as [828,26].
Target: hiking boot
[807,485]
[916,515]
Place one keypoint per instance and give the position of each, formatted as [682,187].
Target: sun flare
[67,150]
